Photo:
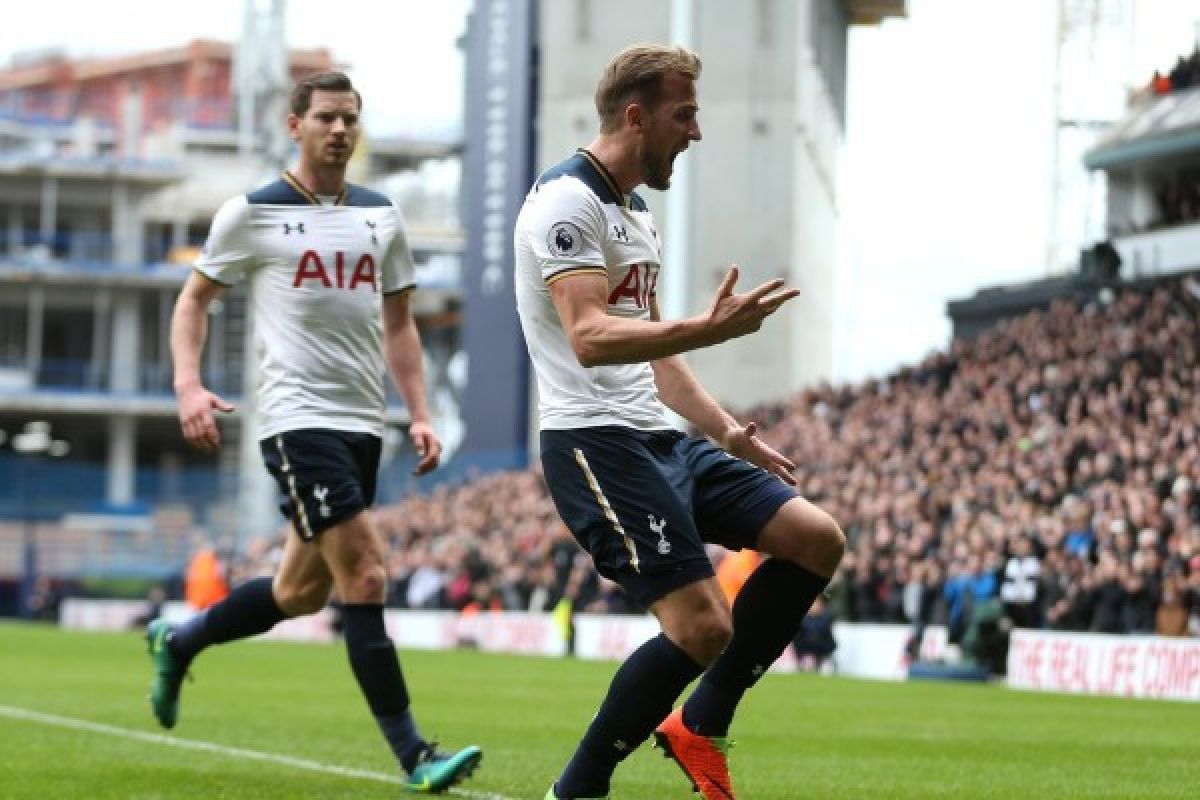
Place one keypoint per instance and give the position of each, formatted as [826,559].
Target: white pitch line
[13,712]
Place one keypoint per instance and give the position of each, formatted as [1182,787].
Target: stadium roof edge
[1165,127]
[1141,151]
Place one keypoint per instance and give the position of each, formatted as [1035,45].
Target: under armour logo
[620,234]
[757,671]
[621,745]
[298,228]
[319,493]
[657,525]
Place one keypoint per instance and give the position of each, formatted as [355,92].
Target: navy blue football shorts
[643,503]
[326,476]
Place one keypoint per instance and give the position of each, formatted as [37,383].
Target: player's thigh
[303,581]
[355,553]
[734,499]
[627,502]
[326,476]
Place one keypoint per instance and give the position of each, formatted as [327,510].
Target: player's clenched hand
[427,445]
[744,443]
[196,417]
[732,315]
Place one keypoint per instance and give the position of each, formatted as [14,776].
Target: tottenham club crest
[319,494]
[564,239]
[657,525]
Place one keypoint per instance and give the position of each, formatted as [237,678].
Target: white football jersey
[318,273]
[575,220]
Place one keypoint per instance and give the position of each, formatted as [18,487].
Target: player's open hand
[427,445]
[732,315]
[196,406]
[743,442]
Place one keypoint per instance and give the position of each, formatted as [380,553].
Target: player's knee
[707,636]
[819,547]
[832,544]
[368,584]
[296,601]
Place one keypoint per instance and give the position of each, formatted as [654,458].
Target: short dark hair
[328,81]
[636,73]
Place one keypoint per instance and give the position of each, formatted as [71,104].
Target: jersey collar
[295,183]
[605,175]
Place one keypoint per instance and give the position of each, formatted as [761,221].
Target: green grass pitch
[798,736]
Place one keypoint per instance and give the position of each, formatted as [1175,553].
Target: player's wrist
[701,332]
[186,385]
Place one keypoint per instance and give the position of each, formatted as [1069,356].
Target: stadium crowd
[1052,463]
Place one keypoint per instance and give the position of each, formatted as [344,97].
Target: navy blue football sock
[766,616]
[400,731]
[377,669]
[248,610]
[639,698]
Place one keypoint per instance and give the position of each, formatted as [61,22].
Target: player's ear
[293,123]
[634,116]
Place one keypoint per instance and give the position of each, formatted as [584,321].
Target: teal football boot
[168,673]
[438,771]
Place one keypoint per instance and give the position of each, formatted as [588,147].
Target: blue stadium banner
[498,170]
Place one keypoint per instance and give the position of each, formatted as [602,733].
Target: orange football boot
[702,758]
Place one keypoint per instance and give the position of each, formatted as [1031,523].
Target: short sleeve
[566,227]
[397,270]
[228,255]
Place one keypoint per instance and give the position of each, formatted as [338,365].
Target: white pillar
[677,238]
[126,233]
[122,430]
[33,338]
[48,223]
[123,379]
[126,333]
[16,232]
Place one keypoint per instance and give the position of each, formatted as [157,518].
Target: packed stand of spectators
[1053,464]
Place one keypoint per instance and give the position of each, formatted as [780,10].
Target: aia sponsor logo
[638,285]
[338,274]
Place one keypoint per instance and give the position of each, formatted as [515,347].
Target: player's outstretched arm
[680,391]
[402,346]
[189,329]
[600,338]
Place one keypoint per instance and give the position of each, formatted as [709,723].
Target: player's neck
[319,181]
[619,159]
